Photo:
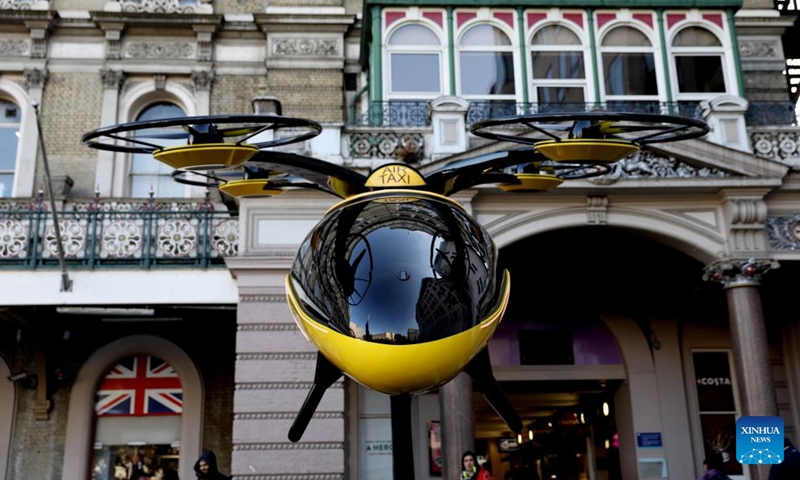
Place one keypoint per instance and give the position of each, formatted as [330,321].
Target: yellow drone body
[397,289]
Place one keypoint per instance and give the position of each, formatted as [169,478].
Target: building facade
[650,307]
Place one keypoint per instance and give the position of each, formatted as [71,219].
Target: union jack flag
[139,386]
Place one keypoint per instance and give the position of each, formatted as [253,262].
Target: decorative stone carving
[784,233]
[596,210]
[14,48]
[389,145]
[176,238]
[305,47]
[35,78]
[73,239]
[225,239]
[164,6]
[730,272]
[121,239]
[16,4]
[160,81]
[13,238]
[780,145]
[159,50]
[202,80]
[112,79]
[646,164]
[746,218]
[758,48]
[113,42]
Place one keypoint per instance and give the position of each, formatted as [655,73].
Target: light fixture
[25,379]
[608,444]
[550,424]
[605,409]
[143,312]
[530,434]
[583,420]
[519,439]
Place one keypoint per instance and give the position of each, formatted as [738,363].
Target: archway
[82,401]
[8,406]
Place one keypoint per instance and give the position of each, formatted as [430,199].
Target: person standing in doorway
[206,468]
[714,463]
[470,469]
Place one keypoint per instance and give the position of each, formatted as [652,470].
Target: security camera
[17,377]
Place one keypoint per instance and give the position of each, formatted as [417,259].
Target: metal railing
[771,113]
[117,234]
[479,111]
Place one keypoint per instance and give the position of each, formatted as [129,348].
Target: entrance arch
[8,406]
[82,399]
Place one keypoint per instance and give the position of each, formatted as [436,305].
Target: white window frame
[562,82]
[10,125]
[440,50]
[27,145]
[132,103]
[728,73]
[653,49]
[484,17]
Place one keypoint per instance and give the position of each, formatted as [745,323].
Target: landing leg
[402,443]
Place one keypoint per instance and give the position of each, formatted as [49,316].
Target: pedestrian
[471,470]
[789,468]
[714,463]
[206,467]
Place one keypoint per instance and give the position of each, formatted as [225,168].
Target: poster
[435,450]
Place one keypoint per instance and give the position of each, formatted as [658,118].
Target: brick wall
[71,107]
[233,94]
[313,94]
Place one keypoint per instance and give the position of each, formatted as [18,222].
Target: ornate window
[486,63]
[137,419]
[558,67]
[415,59]
[146,173]
[698,58]
[10,119]
[629,65]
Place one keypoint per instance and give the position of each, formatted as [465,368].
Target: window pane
[415,72]
[557,64]
[625,37]
[487,73]
[560,95]
[160,110]
[6,182]
[630,74]
[8,152]
[484,36]
[413,35]
[167,187]
[555,35]
[700,74]
[695,37]
[141,184]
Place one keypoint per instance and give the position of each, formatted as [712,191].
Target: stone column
[458,423]
[104,176]
[740,279]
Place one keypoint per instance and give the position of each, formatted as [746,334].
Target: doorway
[569,432]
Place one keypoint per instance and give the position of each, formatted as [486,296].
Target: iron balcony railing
[117,234]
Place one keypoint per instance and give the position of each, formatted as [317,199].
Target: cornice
[147,19]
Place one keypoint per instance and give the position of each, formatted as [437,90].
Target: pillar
[458,423]
[740,279]
[104,175]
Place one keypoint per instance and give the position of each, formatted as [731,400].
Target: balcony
[117,234]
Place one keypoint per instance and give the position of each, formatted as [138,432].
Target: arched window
[486,63]
[10,117]
[629,65]
[699,62]
[415,60]
[147,173]
[557,67]
[137,419]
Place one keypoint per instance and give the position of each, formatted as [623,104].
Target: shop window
[414,61]
[146,173]
[486,63]
[10,117]
[374,435]
[698,57]
[557,68]
[629,66]
[138,409]
[716,402]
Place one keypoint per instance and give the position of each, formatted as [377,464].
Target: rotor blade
[464,173]
[331,178]
[480,369]
[326,375]
[134,140]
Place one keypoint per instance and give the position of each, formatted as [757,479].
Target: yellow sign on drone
[395,176]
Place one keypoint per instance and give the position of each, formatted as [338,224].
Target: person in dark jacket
[790,467]
[714,463]
[206,468]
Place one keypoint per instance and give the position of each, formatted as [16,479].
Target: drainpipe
[353,102]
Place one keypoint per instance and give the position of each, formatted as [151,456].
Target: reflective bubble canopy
[397,268]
